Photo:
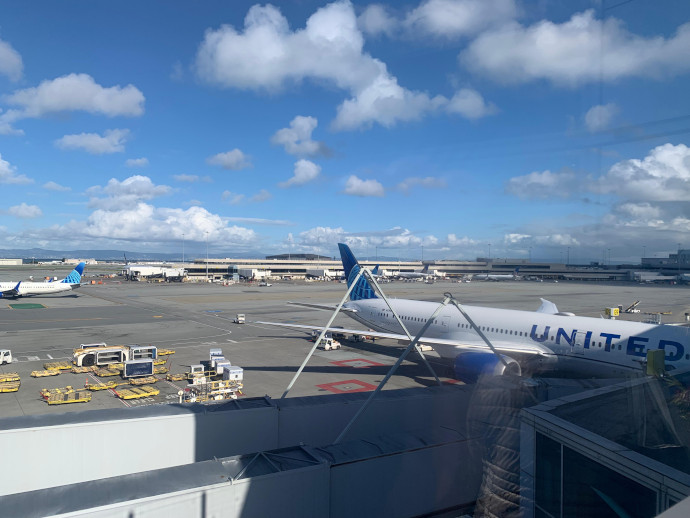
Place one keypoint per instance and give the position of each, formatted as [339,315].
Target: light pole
[530,254]
[422,253]
[567,261]
[182,248]
[206,256]
[489,251]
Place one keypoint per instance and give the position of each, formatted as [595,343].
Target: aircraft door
[445,323]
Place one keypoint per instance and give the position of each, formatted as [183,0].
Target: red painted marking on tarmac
[346,387]
[358,363]
[452,382]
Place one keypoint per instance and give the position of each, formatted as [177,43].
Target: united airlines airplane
[12,290]
[527,341]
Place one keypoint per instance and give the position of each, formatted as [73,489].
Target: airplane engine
[470,366]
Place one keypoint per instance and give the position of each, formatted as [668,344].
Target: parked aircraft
[14,289]
[497,276]
[527,341]
[415,275]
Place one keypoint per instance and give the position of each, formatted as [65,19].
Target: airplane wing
[322,306]
[11,293]
[502,346]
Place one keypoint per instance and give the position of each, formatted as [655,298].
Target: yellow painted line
[157,316]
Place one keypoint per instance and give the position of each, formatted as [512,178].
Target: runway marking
[49,356]
[347,387]
[357,363]
[233,341]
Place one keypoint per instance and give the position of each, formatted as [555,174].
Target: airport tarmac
[192,318]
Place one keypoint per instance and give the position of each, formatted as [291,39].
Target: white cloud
[233,160]
[570,53]
[457,18]
[297,138]
[11,64]
[8,174]
[261,196]
[358,187]
[376,20]
[470,104]
[73,92]
[662,176]
[232,198]
[137,162]
[454,241]
[25,211]
[429,182]
[142,222]
[269,56]
[305,171]
[599,117]
[54,186]
[112,141]
[544,185]
[513,239]
[125,193]
[556,240]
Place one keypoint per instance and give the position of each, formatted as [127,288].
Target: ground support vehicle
[137,392]
[9,382]
[57,366]
[137,369]
[160,361]
[176,377]
[143,381]
[239,319]
[83,370]
[160,369]
[44,373]
[165,352]
[5,356]
[211,391]
[104,373]
[77,396]
[329,343]
[46,393]
[101,385]
[108,355]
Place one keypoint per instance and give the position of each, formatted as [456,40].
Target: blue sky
[452,128]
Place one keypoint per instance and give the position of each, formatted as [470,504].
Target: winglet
[547,307]
[351,267]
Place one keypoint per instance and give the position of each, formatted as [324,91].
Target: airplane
[497,276]
[528,342]
[12,290]
[415,275]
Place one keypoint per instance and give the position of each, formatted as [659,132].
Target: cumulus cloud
[355,186]
[143,222]
[544,184]
[662,176]
[599,117]
[233,160]
[8,174]
[429,182]
[73,92]
[570,53]
[54,186]
[25,211]
[267,55]
[112,141]
[297,138]
[11,64]
[305,171]
[125,193]
[232,198]
[470,104]
[262,221]
[137,162]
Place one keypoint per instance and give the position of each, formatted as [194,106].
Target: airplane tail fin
[426,268]
[362,289]
[75,275]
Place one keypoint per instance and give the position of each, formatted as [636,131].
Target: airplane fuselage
[36,288]
[590,346]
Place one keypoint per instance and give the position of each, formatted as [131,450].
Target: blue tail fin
[75,275]
[362,290]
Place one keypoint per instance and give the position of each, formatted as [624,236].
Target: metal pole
[392,370]
[400,322]
[318,341]
[206,256]
[182,248]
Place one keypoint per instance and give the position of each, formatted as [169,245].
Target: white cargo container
[233,373]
